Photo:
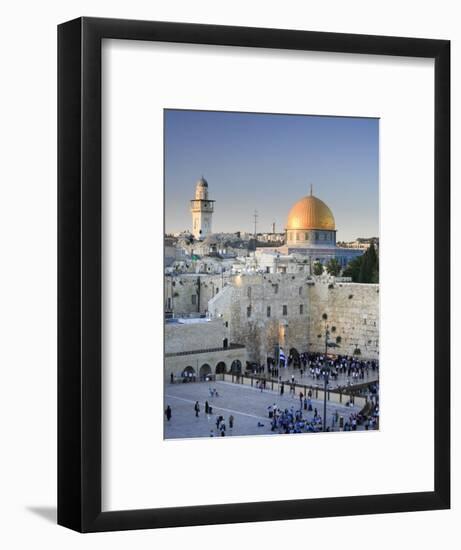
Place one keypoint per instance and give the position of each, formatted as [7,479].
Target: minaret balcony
[202,205]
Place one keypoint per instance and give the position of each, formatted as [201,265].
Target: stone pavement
[248,406]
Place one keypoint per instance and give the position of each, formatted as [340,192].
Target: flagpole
[278,361]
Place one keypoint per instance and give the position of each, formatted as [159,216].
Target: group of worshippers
[221,425]
[355,369]
[290,421]
[313,363]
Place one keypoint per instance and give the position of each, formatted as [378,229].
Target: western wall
[261,311]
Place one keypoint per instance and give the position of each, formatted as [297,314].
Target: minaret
[202,210]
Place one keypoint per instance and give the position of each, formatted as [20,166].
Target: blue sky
[267,162]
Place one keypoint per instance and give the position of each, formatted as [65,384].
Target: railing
[230,347]
[340,395]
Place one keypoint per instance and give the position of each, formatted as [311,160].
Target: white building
[201,208]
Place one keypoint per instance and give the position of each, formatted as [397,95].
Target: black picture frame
[79,274]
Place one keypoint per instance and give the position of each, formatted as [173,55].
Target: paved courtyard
[248,405]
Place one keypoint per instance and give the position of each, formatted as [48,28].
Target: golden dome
[310,213]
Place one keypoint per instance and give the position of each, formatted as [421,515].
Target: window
[276,288]
[217,290]
[268,312]
[194,299]
[249,311]
[168,303]
[249,292]
[285,310]
[300,291]
[301,309]
[306,236]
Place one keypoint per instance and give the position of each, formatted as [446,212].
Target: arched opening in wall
[221,368]
[225,343]
[204,371]
[188,373]
[236,367]
[293,358]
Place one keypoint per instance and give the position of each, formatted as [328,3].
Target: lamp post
[326,374]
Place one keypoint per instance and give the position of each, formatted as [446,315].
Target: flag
[282,357]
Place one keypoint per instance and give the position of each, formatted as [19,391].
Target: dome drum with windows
[310,223]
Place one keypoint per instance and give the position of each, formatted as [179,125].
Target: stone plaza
[248,405]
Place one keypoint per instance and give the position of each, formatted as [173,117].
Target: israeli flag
[282,357]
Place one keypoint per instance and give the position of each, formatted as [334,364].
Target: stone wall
[188,294]
[244,306]
[352,312]
[216,360]
[197,334]
[297,304]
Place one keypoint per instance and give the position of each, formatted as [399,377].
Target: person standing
[207,407]
[231,422]
[196,409]
[168,413]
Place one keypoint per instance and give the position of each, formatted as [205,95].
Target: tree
[373,264]
[333,267]
[318,268]
[365,268]
[353,269]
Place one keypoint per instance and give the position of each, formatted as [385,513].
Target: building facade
[196,348]
[311,231]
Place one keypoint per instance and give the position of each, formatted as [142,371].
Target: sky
[267,162]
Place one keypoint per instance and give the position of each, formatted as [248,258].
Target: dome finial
[311,189]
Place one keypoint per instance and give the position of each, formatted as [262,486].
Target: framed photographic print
[253,274]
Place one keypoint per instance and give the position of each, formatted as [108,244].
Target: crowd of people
[291,421]
[353,368]
[315,366]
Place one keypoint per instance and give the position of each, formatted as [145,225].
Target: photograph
[271,274]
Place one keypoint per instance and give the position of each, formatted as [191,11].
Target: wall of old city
[264,310]
[352,312]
